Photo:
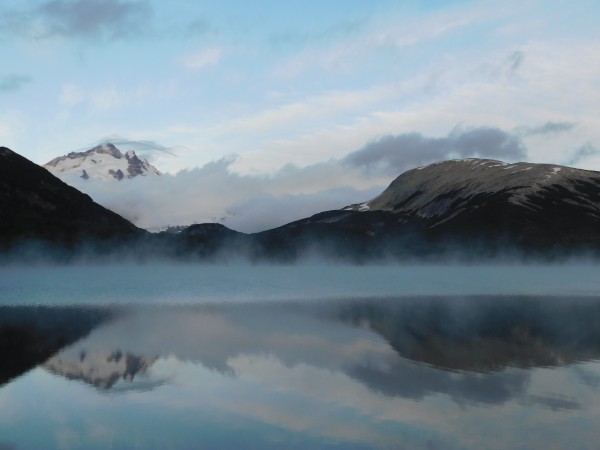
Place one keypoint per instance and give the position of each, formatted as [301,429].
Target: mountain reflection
[31,334]
[452,373]
[483,334]
[411,348]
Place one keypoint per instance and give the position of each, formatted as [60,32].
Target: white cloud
[396,33]
[203,59]
[300,131]
[400,32]
[213,193]
[509,87]
[247,202]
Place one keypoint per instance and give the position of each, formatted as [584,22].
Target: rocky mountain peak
[105,162]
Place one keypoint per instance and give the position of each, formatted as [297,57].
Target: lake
[307,357]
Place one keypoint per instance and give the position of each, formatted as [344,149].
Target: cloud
[555,403]
[85,19]
[162,156]
[549,128]
[587,150]
[214,193]
[342,29]
[416,32]
[202,59]
[249,202]
[142,147]
[395,33]
[515,60]
[394,154]
[310,112]
[342,47]
[257,213]
[13,82]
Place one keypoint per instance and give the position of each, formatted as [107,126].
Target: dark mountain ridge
[521,199]
[473,209]
[467,209]
[34,204]
[481,203]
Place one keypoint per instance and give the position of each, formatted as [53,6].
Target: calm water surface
[229,357]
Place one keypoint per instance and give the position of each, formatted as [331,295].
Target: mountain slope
[451,187]
[34,204]
[103,162]
[477,205]
[529,202]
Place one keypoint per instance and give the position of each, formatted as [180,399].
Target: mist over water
[301,356]
[196,283]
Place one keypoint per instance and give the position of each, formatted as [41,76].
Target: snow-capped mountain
[101,369]
[103,162]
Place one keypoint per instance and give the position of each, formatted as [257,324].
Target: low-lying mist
[217,245]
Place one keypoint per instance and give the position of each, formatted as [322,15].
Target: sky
[262,112]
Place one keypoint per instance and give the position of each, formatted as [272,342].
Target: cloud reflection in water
[423,373]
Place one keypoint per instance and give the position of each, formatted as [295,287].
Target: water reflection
[484,333]
[30,335]
[477,372]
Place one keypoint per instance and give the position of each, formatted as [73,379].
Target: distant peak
[104,161]
[107,148]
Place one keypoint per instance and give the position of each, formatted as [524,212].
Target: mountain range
[475,208]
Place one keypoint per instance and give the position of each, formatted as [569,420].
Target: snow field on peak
[101,163]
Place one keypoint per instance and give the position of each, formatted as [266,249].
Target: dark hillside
[34,204]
